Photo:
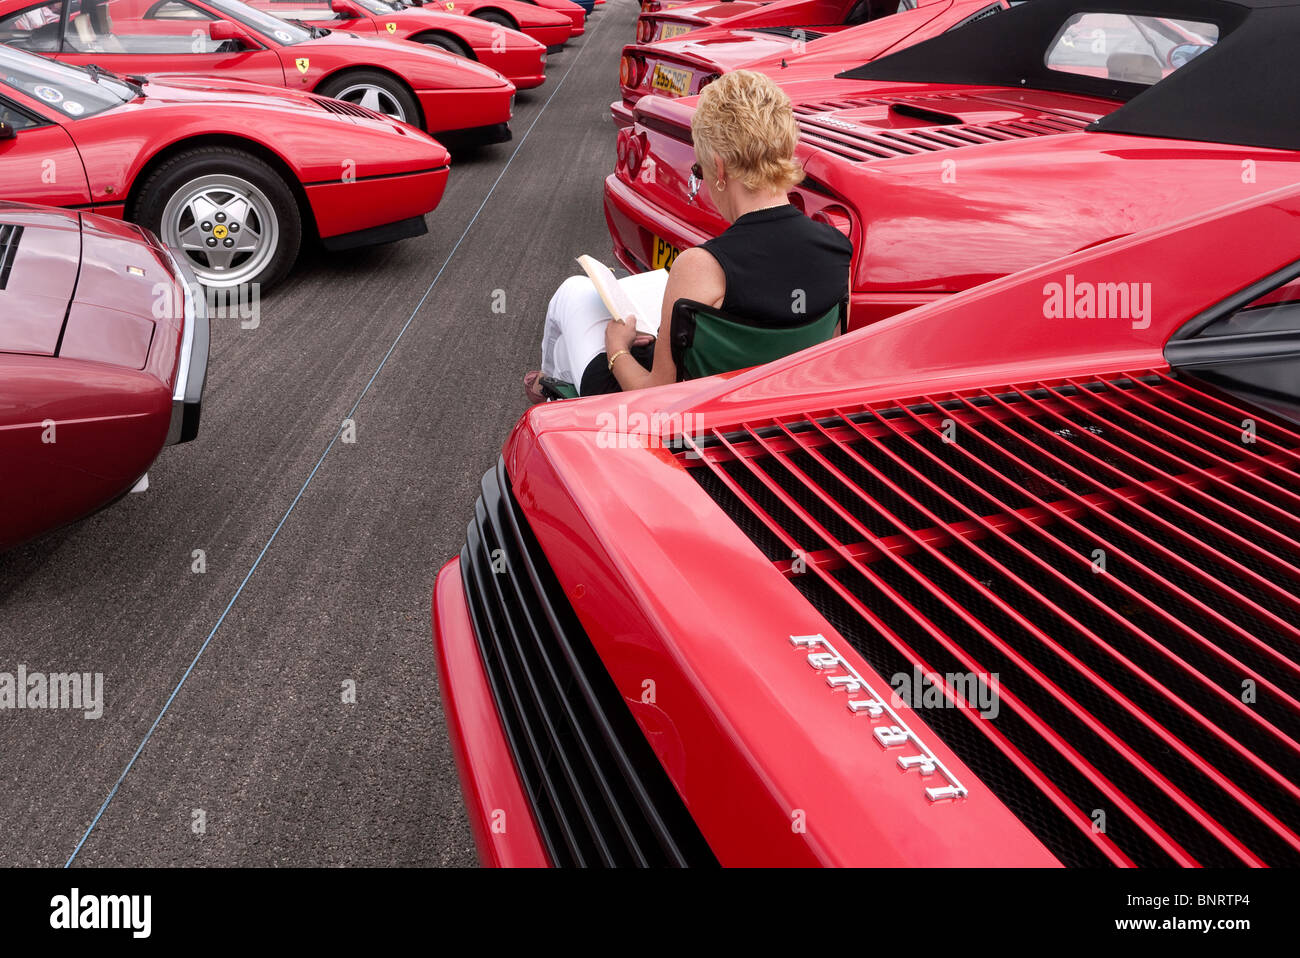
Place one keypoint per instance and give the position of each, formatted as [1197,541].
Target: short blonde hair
[745,119]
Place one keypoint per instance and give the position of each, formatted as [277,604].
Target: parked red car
[818,17]
[576,13]
[988,149]
[520,58]
[1009,579]
[410,82]
[664,19]
[683,67]
[232,175]
[103,356]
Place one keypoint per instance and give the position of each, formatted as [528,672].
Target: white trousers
[574,334]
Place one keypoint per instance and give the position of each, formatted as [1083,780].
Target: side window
[1132,49]
[139,27]
[33,28]
[18,119]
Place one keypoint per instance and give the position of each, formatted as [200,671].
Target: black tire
[500,19]
[172,178]
[444,42]
[386,82]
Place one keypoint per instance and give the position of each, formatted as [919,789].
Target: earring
[719,185]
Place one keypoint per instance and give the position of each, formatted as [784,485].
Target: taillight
[630,71]
[649,6]
[645,30]
[836,216]
[624,137]
[707,80]
[635,153]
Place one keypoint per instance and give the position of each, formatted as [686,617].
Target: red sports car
[576,13]
[518,57]
[990,148]
[103,354]
[1010,579]
[677,68]
[425,87]
[232,175]
[818,16]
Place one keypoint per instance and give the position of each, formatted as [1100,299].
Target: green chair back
[706,341]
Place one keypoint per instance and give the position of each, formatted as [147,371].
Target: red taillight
[635,153]
[707,80]
[649,6]
[645,30]
[836,216]
[630,71]
[624,136]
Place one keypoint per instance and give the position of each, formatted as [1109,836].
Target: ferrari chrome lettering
[863,699]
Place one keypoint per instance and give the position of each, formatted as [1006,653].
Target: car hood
[64,263]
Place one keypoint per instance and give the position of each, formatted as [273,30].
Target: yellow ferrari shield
[302,63]
[390,27]
[451,6]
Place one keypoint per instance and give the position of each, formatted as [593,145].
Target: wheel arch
[514,21]
[374,68]
[460,41]
[233,141]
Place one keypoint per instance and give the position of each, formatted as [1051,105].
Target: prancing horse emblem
[302,63]
[390,27]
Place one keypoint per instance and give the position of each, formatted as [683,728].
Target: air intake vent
[1113,550]
[862,144]
[10,236]
[344,108]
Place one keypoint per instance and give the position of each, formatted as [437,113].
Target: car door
[158,36]
[39,162]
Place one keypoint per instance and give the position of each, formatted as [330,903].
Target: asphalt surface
[319,555]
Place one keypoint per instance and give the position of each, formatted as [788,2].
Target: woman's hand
[619,335]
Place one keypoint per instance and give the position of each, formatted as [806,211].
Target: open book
[640,295]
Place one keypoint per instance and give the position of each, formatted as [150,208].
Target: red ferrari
[534,19]
[1006,143]
[677,68]
[822,16]
[1007,580]
[103,354]
[411,82]
[232,175]
[520,58]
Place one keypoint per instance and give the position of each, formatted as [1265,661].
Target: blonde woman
[771,256]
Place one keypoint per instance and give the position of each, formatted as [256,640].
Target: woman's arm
[695,275]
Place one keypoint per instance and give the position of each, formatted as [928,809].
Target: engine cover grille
[1123,554]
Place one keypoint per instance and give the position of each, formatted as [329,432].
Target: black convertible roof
[1243,90]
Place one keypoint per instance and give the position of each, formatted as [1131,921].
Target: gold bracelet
[621,352]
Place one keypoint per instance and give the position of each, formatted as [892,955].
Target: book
[639,296]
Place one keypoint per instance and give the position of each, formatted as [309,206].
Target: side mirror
[221,31]
[346,9]
[7,132]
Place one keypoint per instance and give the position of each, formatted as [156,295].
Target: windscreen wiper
[95,71]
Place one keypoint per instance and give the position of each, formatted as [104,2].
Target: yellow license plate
[670,80]
[662,253]
[669,30]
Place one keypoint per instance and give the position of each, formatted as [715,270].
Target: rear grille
[10,235]
[1113,550]
[598,792]
[343,108]
[818,129]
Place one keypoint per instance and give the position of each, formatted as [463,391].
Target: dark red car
[782,18]
[103,355]
[684,66]
[1015,139]
[231,175]
[415,83]
[1009,579]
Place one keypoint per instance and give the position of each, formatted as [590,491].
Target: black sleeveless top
[781,267]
